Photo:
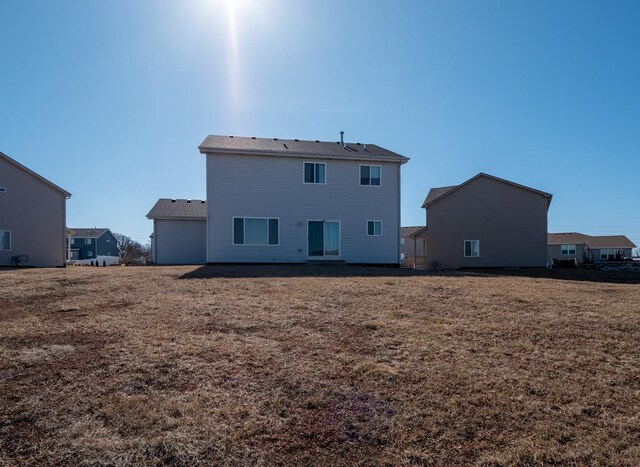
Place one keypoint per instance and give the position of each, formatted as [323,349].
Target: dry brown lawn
[317,365]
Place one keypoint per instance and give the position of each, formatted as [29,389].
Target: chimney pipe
[342,138]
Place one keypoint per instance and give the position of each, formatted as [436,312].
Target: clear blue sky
[110,99]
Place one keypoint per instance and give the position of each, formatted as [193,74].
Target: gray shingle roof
[296,148]
[178,208]
[437,192]
[86,233]
[592,241]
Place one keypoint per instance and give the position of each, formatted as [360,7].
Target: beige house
[32,217]
[590,248]
[485,222]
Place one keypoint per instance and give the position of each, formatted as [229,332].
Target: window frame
[374,228]
[465,249]
[304,164]
[568,250]
[324,221]
[87,241]
[360,174]
[244,232]
[10,240]
[606,256]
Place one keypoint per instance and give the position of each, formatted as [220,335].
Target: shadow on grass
[240,271]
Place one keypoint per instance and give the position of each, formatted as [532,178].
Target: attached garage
[179,231]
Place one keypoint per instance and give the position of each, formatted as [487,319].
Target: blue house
[84,244]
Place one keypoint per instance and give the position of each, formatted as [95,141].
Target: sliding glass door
[324,238]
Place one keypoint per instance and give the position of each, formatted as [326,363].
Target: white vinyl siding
[5,240]
[568,250]
[472,248]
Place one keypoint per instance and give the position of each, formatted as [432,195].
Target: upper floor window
[568,250]
[374,228]
[370,175]
[87,241]
[5,240]
[471,248]
[256,231]
[315,172]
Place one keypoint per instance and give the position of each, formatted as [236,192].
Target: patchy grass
[317,365]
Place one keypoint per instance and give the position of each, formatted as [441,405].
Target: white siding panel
[255,186]
[180,241]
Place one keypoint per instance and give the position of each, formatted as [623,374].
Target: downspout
[399,214]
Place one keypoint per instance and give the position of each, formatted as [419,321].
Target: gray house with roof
[272,200]
[83,243]
[485,222]
[32,217]
[179,231]
[588,248]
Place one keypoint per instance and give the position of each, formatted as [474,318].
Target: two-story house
[32,217]
[88,244]
[281,201]
[485,222]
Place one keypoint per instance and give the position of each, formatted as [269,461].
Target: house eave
[299,155]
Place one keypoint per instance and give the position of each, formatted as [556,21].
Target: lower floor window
[610,253]
[5,240]
[374,228]
[472,248]
[255,231]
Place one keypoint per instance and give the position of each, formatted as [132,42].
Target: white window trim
[314,171]
[87,241]
[10,240]
[360,177]
[615,250]
[339,239]
[464,248]
[374,228]
[233,237]
[568,253]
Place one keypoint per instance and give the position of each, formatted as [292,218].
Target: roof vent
[342,138]
[275,139]
[253,137]
[173,200]
[296,140]
[188,201]
[230,136]
[317,141]
[285,146]
[201,202]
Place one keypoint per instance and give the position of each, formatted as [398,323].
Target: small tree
[104,263]
[92,263]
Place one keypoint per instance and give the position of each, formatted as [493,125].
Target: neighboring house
[88,244]
[279,201]
[32,217]
[590,248]
[485,222]
[410,246]
[179,231]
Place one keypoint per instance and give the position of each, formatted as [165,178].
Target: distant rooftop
[178,208]
[592,241]
[297,148]
[86,233]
